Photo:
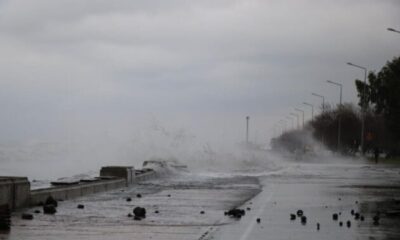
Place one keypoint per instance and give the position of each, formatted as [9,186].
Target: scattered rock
[356,202]
[49,209]
[27,216]
[248,209]
[139,213]
[340,223]
[129,215]
[299,213]
[362,218]
[292,216]
[81,206]
[352,212]
[156,211]
[356,216]
[201,212]
[37,211]
[128,199]
[51,201]
[376,219]
[318,226]
[236,213]
[348,223]
[169,195]
[340,199]
[138,195]
[258,220]
[303,220]
[335,216]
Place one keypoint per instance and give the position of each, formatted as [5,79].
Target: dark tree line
[382,96]
[380,107]
[325,129]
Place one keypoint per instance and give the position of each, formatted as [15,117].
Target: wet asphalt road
[179,202]
[319,189]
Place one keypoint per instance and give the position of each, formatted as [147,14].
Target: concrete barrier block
[14,191]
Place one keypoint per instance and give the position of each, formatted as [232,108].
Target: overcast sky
[74,68]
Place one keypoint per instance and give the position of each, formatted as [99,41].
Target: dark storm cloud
[198,64]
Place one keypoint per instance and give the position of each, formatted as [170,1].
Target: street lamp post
[323,100]
[363,105]
[299,110]
[312,109]
[339,118]
[284,126]
[298,119]
[247,129]
[289,117]
[393,30]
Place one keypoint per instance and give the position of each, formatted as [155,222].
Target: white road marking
[259,212]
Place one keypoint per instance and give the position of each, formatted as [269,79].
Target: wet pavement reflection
[356,193]
[182,207]
[338,201]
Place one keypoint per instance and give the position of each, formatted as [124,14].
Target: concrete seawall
[16,193]
[39,196]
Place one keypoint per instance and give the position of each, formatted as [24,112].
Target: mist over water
[80,149]
[120,83]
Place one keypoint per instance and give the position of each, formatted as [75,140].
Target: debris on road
[51,201]
[49,209]
[27,216]
[140,213]
[348,223]
[299,213]
[376,219]
[303,220]
[236,213]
